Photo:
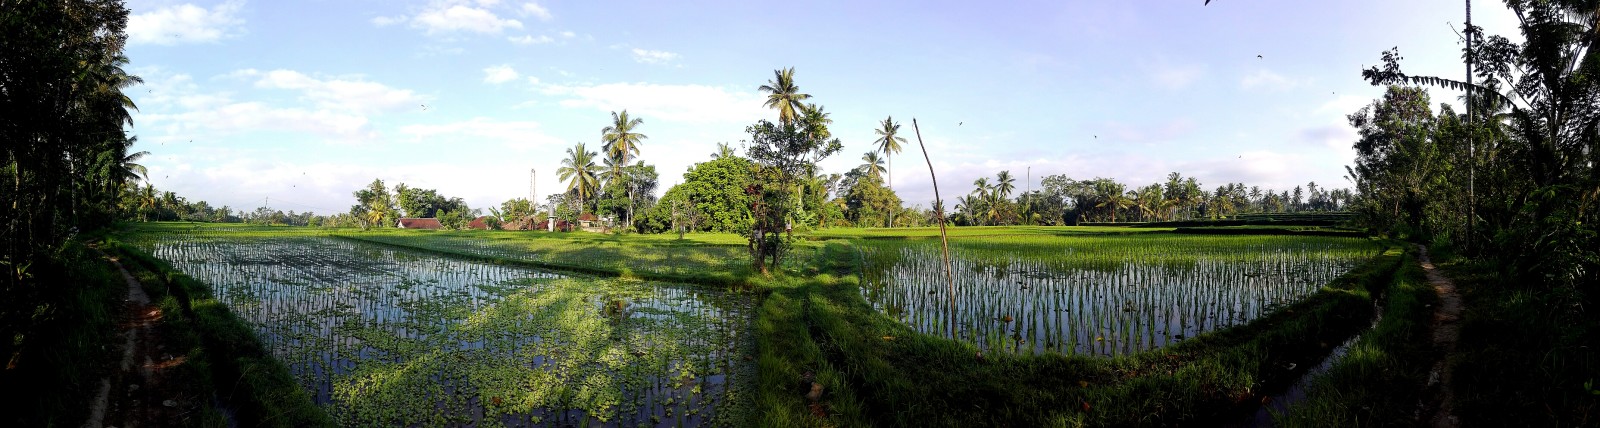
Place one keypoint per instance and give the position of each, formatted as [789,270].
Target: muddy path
[145,388]
[1438,407]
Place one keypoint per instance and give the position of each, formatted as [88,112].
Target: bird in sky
[1260,57]
[959,123]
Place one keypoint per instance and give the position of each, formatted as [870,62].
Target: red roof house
[479,223]
[419,223]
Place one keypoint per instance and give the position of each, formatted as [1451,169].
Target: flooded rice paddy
[1103,296]
[391,337]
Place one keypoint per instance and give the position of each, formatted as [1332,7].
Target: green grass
[813,325]
[1381,377]
[257,386]
[879,372]
[70,344]
[971,231]
[1527,354]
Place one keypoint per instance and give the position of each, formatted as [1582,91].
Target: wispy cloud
[186,23]
[646,56]
[352,94]
[687,103]
[537,11]
[499,74]
[530,40]
[458,18]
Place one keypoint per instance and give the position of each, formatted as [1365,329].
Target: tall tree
[784,95]
[579,171]
[889,143]
[872,165]
[783,155]
[621,142]
[1004,183]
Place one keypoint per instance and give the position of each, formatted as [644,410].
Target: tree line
[64,123]
[1513,179]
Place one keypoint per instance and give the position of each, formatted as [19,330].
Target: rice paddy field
[430,328]
[709,257]
[1101,295]
[392,337]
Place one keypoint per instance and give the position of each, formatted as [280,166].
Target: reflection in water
[390,337]
[1023,305]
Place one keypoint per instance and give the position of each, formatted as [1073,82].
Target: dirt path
[1446,331]
[138,391]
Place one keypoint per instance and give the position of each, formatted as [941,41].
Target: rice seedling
[384,336]
[1099,295]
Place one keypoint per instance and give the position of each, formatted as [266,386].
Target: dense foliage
[63,124]
[1515,178]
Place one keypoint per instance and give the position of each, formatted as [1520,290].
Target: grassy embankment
[1382,376]
[56,371]
[813,325]
[1527,354]
[221,347]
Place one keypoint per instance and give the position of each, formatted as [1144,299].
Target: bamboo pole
[944,240]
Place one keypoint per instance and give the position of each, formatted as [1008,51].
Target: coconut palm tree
[1114,202]
[784,95]
[815,122]
[889,143]
[621,142]
[724,150]
[578,170]
[873,164]
[1004,183]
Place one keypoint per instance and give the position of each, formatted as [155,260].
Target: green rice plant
[1104,295]
[385,336]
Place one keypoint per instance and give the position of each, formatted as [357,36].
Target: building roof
[588,217]
[419,223]
[478,223]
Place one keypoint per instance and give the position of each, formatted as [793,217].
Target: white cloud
[454,18]
[185,23]
[645,56]
[568,34]
[384,21]
[346,94]
[687,103]
[535,10]
[530,40]
[1266,79]
[521,136]
[499,74]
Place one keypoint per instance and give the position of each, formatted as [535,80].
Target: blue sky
[304,102]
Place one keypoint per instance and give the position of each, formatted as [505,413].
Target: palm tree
[889,143]
[621,145]
[816,122]
[873,165]
[724,150]
[982,184]
[1004,184]
[1115,201]
[782,94]
[578,170]
[621,142]
[148,201]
